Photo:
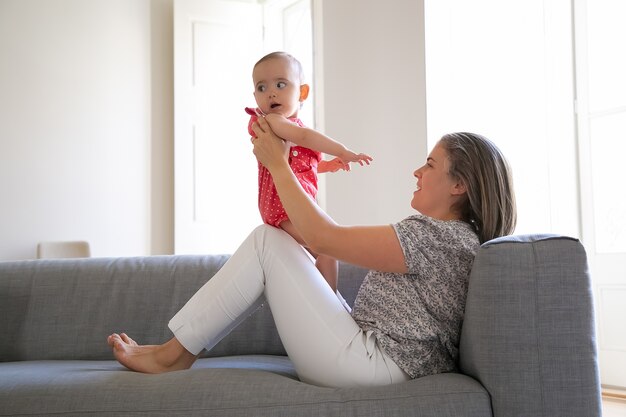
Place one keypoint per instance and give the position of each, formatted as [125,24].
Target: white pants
[320,336]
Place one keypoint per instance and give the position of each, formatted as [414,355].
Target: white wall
[373,100]
[86,118]
[162,125]
[85,125]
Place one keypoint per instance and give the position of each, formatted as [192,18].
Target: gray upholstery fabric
[528,334]
[65,308]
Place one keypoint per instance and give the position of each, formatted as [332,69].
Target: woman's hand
[269,149]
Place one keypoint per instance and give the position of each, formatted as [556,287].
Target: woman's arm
[312,139]
[373,247]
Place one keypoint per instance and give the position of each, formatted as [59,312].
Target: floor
[613,408]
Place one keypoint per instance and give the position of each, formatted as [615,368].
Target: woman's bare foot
[151,359]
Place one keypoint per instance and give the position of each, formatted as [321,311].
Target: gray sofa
[527,346]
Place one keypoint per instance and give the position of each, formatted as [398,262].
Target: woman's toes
[128,340]
[111,339]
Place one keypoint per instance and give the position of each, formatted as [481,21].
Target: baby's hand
[361,158]
[333,165]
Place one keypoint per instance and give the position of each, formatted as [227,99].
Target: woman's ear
[304,92]
[459,188]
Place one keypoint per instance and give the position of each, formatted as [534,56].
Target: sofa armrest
[528,334]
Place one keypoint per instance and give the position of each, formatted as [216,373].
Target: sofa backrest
[65,308]
[528,333]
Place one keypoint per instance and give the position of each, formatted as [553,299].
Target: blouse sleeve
[418,239]
[431,245]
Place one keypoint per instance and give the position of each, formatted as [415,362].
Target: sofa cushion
[232,386]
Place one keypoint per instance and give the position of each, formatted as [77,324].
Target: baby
[279,91]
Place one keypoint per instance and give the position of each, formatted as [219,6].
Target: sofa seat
[247,385]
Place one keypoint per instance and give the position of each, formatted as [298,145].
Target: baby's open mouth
[274,105]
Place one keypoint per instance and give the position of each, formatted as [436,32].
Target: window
[544,79]
[601,117]
[504,70]
[602,110]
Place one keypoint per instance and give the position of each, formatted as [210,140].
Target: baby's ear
[304,92]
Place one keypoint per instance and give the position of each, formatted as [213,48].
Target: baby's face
[277,87]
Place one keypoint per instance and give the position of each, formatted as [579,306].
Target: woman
[407,316]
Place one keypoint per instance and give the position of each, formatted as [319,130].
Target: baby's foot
[151,359]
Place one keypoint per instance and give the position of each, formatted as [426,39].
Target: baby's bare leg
[288,227]
[325,264]
[151,359]
[329,269]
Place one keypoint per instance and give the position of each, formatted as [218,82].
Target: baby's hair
[490,200]
[288,57]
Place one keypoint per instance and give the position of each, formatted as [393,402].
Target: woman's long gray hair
[490,200]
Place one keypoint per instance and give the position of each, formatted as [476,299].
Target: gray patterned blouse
[417,316]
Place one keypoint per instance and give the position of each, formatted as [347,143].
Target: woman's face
[436,191]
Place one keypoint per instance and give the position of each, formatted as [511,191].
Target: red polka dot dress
[303,162]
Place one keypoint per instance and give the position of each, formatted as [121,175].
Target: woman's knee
[269,236]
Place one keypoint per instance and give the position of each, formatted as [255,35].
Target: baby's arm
[312,139]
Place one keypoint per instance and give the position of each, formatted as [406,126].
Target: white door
[601,98]
[216,43]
